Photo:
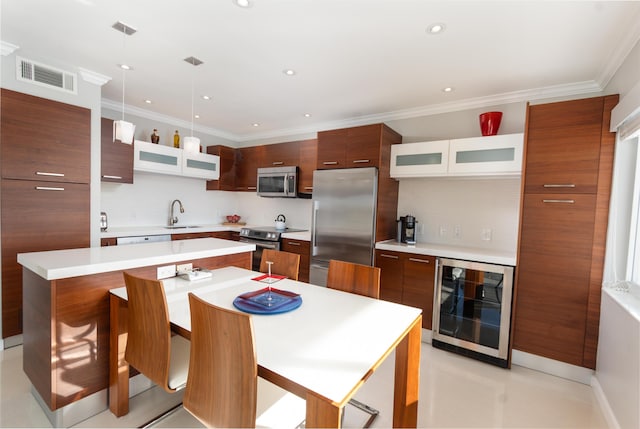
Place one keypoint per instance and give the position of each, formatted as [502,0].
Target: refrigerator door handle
[314,229]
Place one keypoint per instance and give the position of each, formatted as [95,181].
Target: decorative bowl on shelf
[233,218]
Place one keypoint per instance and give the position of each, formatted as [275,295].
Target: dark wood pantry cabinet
[564,214]
[45,149]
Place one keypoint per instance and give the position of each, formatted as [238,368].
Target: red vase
[490,122]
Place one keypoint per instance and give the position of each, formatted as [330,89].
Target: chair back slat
[354,278]
[222,383]
[284,263]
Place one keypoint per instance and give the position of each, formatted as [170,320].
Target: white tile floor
[455,392]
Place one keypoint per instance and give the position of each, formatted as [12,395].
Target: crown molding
[617,57]
[7,48]
[93,77]
[577,88]
[148,114]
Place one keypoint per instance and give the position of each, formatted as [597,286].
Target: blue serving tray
[258,302]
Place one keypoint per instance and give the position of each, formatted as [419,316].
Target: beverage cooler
[472,309]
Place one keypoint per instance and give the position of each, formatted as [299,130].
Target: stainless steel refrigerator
[343,218]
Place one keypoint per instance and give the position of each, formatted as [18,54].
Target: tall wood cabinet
[564,213]
[116,163]
[45,150]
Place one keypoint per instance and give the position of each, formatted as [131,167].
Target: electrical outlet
[486,234]
[456,232]
[184,268]
[443,230]
[166,271]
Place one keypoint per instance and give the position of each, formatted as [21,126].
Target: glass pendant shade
[123,131]
[191,144]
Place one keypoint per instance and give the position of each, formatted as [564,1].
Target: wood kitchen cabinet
[247,161]
[116,163]
[353,147]
[45,151]
[280,154]
[227,180]
[44,140]
[563,221]
[408,279]
[302,248]
[307,164]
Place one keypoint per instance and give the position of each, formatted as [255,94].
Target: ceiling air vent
[44,75]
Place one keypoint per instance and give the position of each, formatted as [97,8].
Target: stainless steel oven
[472,309]
[264,238]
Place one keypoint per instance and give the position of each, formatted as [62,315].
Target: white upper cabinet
[161,159]
[201,165]
[420,159]
[478,156]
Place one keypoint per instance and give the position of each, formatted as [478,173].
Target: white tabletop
[59,264]
[328,345]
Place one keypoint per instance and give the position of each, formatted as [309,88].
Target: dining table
[322,351]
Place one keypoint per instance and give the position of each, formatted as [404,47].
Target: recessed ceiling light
[255,124]
[242,3]
[435,28]
[147,101]
[447,89]
[206,97]
[125,66]
[307,115]
[197,116]
[289,72]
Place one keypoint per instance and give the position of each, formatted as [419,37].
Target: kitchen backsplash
[147,203]
[472,212]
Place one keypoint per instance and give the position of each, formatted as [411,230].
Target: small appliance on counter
[103,221]
[407,229]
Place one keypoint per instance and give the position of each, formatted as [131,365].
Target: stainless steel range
[264,237]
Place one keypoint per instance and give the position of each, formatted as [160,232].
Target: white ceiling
[356,61]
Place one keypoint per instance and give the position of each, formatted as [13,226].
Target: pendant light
[123,130]
[191,143]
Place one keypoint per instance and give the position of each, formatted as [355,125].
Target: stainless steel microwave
[278,182]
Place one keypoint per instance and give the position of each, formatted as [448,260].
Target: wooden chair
[151,349]
[362,280]
[354,278]
[284,263]
[223,370]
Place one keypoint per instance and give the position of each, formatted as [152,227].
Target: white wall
[470,204]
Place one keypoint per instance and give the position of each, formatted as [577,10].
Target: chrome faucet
[174,219]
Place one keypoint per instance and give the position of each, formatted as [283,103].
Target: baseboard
[553,367]
[607,412]
[9,342]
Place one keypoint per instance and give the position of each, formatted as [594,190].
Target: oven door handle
[262,244]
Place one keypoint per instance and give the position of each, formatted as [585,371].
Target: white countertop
[454,252]
[136,231]
[59,264]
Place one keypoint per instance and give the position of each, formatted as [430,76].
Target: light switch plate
[166,272]
[183,268]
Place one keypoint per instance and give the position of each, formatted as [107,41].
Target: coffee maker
[407,229]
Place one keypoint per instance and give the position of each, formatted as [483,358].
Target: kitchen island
[66,313]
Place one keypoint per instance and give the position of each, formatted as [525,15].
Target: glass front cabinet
[472,309]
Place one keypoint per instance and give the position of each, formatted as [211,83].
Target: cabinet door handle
[360,161]
[48,188]
[45,173]
[559,185]
[251,188]
[293,243]
[309,188]
[424,261]
[559,201]
[106,176]
[384,255]
[277,163]
[329,162]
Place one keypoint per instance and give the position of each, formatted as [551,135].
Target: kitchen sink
[182,226]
